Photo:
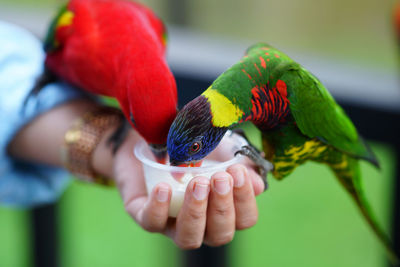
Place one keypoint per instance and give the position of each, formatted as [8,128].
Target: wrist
[86,152]
[103,157]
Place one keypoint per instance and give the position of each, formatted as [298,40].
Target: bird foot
[264,166]
[242,133]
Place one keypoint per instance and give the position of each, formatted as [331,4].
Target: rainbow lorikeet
[297,116]
[116,48]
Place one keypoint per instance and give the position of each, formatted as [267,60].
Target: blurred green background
[305,220]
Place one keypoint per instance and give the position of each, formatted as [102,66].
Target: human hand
[212,209]
[210,217]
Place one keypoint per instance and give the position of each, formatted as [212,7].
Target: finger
[244,198]
[154,215]
[191,220]
[221,212]
[256,179]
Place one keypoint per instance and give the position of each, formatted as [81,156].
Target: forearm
[42,139]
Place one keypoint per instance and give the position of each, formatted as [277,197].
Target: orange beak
[162,159]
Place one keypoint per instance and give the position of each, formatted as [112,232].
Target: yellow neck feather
[65,19]
[224,112]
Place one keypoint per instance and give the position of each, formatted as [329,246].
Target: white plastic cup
[218,160]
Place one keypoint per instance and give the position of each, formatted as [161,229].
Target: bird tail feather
[45,78]
[347,172]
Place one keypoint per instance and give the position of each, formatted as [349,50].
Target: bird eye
[195,147]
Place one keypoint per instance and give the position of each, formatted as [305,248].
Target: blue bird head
[192,135]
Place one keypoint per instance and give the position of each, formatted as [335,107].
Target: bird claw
[264,166]
[242,133]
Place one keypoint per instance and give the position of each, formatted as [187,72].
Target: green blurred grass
[96,231]
[14,238]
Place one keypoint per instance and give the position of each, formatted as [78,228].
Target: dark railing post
[44,236]
[206,256]
[396,203]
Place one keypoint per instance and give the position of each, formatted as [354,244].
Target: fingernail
[200,191]
[163,194]
[238,179]
[222,186]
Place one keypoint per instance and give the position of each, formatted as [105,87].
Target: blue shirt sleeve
[23,184]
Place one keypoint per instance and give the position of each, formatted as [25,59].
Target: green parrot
[296,114]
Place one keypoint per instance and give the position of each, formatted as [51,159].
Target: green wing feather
[49,41]
[317,115]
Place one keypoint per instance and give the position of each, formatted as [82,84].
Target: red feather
[116,48]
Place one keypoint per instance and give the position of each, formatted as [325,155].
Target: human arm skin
[211,213]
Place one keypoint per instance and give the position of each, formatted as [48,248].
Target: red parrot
[116,48]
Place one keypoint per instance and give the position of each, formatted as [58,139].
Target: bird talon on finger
[264,166]
[242,133]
